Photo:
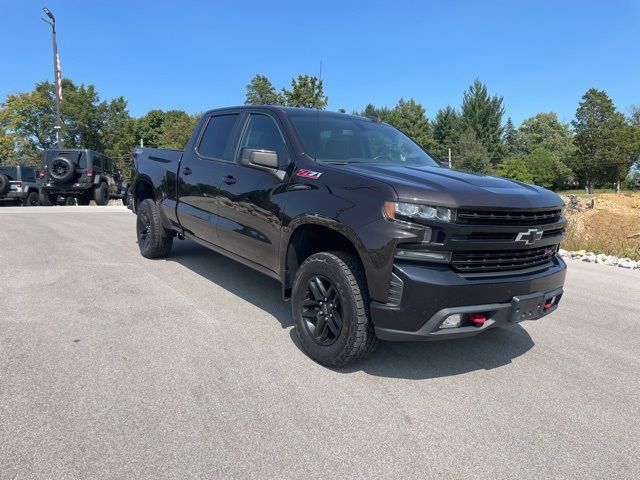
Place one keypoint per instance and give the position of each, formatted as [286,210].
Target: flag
[58,77]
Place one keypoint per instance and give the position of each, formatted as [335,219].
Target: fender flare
[322,221]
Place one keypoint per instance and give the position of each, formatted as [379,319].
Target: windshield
[332,139]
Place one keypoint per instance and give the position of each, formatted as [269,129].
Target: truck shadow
[416,360]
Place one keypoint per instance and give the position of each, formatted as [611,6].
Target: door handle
[186,171]
[229,180]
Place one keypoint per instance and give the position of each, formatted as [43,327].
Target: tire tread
[161,242]
[363,339]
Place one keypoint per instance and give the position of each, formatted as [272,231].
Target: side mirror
[259,158]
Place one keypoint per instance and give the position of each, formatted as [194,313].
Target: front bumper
[429,294]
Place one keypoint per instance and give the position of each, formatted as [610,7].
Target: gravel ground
[117,367]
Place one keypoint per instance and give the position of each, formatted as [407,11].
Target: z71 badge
[303,172]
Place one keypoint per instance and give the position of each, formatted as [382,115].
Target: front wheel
[330,306]
[154,241]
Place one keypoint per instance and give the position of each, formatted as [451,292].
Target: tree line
[598,148]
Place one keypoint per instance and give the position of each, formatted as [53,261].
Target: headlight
[408,211]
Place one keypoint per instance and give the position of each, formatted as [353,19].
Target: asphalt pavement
[117,367]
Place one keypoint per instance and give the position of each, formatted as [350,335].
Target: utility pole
[57,73]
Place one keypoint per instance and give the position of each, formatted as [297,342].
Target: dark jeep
[19,185]
[79,174]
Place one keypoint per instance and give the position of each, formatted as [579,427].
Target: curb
[601,259]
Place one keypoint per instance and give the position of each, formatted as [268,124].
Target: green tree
[371,111]
[515,168]
[544,130]
[82,115]
[306,91]
[410,117]
[28,119]
[603,140]
[149,128]
[118,137]
[7,147]
[547,169]
[260,91]
[634,115]
[473,155]
[511,139]
[483,114]
[446,130]
[177,128]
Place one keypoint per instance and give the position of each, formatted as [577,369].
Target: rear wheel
[48,199]
[32,200]
[153,240]
[101,194]
[5,186]
[330,306]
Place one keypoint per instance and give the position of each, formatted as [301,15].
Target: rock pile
[602,259]
[576,204]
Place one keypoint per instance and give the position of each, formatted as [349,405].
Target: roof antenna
[318,113]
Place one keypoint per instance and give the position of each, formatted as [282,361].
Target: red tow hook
[548,304]
[477,319]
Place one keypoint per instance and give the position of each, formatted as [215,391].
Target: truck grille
[498,261]
[501,217]
[509,236]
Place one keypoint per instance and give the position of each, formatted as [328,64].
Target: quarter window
[216,136]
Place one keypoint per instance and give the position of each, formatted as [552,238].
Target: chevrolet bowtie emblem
[529,237]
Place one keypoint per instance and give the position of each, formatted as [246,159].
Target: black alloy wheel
[322,310]
[143,227]
[153,239]
[329,304]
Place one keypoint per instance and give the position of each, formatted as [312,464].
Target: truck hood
[451,188]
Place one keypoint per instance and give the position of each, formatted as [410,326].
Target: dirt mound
[607,226]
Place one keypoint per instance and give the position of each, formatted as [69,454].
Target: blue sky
[540,55]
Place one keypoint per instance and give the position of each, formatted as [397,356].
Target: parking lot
[114,366]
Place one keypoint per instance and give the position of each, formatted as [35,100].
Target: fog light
[452,321]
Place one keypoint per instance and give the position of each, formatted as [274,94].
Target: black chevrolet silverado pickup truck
[369,236]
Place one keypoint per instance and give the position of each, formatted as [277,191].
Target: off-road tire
[101,194]
[157,242]
[62,170]
[47,199]
[5,186]
[32,200]
[357,336]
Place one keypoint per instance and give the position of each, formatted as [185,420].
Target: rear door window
[216,137]
[97,161]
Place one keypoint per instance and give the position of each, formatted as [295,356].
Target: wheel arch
[308,235]
[141,190]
